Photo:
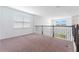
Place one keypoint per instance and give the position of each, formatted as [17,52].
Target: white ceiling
[50,11]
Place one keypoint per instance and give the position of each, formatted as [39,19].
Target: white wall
[1,22]
[7,16]
[39,20]
[75,19]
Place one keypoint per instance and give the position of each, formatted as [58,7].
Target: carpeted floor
[35,43]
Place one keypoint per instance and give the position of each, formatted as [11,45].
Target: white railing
[61,32]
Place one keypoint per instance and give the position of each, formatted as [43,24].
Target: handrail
[53,29]
[51,26]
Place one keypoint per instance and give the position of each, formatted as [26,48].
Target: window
[60,32]
[22,22]
[60,22]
